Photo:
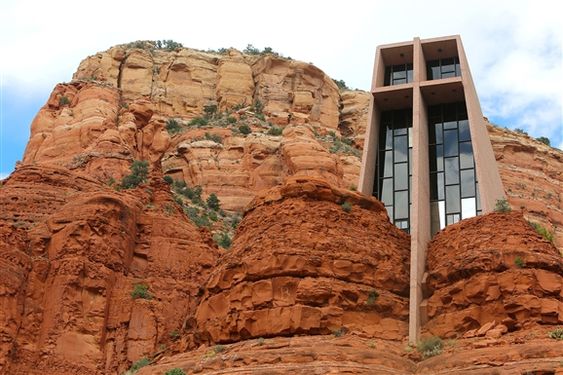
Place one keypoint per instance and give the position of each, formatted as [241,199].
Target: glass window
[453,218]
[402,224]
[450,143]
[468,208]
[465,155]
[401,149]
[387,80]
[390,212]
[399,72]
[409,73]
[448,65]
[433,70]
[452,199]
[467,183]
[436,158]
[464,134]
[386,165]
[401,205]
[433,187]
[440,180]
[401,176]
[387,191]
[452,170]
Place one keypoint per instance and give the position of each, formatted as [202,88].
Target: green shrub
[173,126]
[372,296]
[218,349]
[199,220]
[213,202]
[544,140]
[341,84]
[168,45]
[519,262]
[175,371]
[430,346]
[214,137]
[502,205]
[198,121]
[556,334]
[64,101]
[275,130]
[244,129]
[542,231]
[210,110]
[223,240]
[212,216]
[231,120]
[520,131]
[251,50]
[169,180]
[260,341]
[175,335]
[139,173]
[141,291]
[339,332]
[136,366]
[258,106]
[235,221]
[346,206]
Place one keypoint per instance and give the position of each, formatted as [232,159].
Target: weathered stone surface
[77,250]
[301,264]
[490,268]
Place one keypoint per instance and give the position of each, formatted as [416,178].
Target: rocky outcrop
[72,251]
[492,268]
[532,175]
[301,264]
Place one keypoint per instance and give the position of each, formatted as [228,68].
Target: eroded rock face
[70,262]
[300,264]
[492,268]
[532,175]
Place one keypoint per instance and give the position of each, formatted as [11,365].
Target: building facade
[427,155]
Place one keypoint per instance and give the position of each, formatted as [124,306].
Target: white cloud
[514,47]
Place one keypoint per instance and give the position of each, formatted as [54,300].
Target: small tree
[64,101]
[346,207]
[173,126]
[502,205]
[141,291]
[275,130]
[430,346]
[544,140]
[169,180]
[213,202]
[223,240]
[520,131]
[244,129]
[139,173]
[175,371]
[341,84]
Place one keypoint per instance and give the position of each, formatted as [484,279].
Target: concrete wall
[490,185]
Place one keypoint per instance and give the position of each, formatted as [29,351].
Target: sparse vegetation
[214,137]
[175,335]
[173,126]
[136,366]
[541,230]
[141,291]
[372,296]
[346,206]
[64,101]
[341,84]
[169,180]
[502,205]
[139,173]
[251,50]
[222,240]
[339,332]
[218,349]
[213,202]
[544,140]
[260,341]
[168,45]
[556,334]
[430,346]
[519,262]
[275,130]
[520,131]
[210,110]
[338,145]
[198,121]
[244,129]
[175,371]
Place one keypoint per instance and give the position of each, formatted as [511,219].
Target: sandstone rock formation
[307,287]
[492,268]
[72,251]
[301,264]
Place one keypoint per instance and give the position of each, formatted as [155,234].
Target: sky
[514,47]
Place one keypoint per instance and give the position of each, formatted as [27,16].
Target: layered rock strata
[301,264]
[492,269]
